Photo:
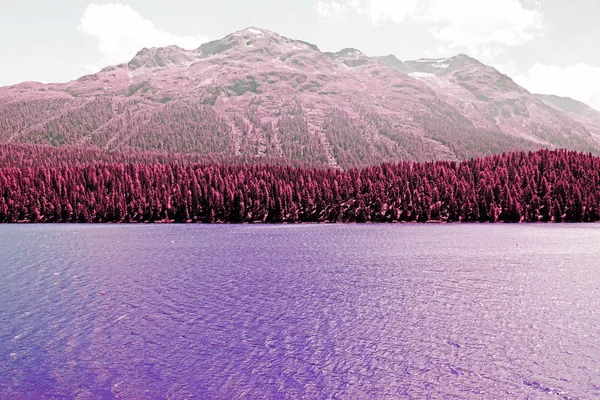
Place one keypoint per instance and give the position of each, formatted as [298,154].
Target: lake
[300,311]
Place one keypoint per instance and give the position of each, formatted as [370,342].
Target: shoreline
[303,223]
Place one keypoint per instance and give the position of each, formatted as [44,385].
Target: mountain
[497,98]
[256,93]
[577,110]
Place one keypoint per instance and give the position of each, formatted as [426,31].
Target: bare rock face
[350,57]
[161,57]
[394,63]
[256,93]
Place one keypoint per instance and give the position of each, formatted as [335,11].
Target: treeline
[542,186]
[292,133]
[354,137]
[29,155]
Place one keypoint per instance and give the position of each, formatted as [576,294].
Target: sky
[547,46]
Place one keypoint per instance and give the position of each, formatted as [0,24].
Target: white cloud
[475,23]
[381,11]
[87,67]
[121,32]
[331,10]
[483,27]
[378,11]
[580,82]
[508,67]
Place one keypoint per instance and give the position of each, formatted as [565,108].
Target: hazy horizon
[545,47]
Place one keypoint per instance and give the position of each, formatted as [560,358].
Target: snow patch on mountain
[250,31]
[431,60]
[422,75]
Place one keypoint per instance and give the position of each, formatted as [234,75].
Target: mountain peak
[159,57]
[350,56]
[254,39]
[252,30]
[350,52]
[391,61]
[440,66]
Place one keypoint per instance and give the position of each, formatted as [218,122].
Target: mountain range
[257,94]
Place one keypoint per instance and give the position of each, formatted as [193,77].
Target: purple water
[299,312]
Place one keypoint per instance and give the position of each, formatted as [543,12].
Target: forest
[354,138]
[542,186]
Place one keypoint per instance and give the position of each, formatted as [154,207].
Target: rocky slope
[255,93]
[577,110]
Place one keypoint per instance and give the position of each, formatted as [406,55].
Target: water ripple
[299,312]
